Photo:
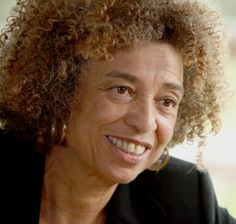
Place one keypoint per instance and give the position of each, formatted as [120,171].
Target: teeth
[131,147]
[126,146]
[139,149]
[119,143]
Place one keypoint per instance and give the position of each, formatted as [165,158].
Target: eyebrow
[134,79]
[123,75]
[174,86]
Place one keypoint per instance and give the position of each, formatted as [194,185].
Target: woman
[93,93]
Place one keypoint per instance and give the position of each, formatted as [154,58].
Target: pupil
[167,102]
[121,89]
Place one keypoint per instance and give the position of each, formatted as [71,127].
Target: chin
[123,176]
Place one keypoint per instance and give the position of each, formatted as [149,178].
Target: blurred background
[220,152]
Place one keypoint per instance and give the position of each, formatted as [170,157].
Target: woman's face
[127,112]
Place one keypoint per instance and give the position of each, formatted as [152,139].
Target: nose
[142,116]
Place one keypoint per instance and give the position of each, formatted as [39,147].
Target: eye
[121,90]
[168,103]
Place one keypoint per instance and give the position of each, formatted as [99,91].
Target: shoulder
[185,193]
[178,175]
[8,139]
[179,167]
[179,183]
[20,155]
[15,149]
[22,177]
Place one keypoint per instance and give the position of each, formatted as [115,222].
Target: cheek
[165,130]
[103,111]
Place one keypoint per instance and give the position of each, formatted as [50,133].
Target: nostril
[141,116]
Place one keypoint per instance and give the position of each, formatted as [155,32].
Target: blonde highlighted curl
[46,43]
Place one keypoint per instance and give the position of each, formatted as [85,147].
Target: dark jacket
[178,194]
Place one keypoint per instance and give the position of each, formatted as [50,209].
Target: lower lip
[130,158]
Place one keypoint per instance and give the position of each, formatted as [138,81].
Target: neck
[65,199]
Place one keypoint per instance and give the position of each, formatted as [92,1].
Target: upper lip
[135,141]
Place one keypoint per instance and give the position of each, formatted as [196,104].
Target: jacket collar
[136,203]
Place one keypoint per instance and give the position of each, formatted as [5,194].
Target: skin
[134,97]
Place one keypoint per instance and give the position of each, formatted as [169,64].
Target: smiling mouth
[126,146]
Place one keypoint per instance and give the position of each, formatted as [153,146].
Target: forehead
[147,58]
[158,49]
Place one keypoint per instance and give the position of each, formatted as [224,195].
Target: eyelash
[170,102]
[124,88]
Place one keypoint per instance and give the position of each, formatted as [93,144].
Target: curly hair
[46,43]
